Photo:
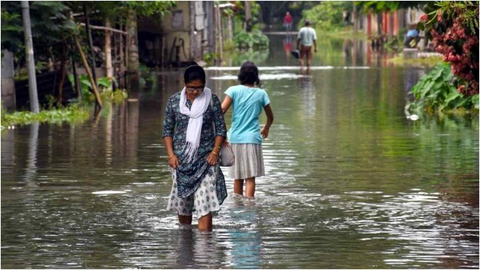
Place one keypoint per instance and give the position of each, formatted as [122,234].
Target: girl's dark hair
[194,72]
[248,74]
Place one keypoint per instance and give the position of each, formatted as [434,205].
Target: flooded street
[350,182]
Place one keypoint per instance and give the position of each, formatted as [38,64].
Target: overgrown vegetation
[430,61]
[105,86]
[74,113]
[326,16]
[254,40]
[436,92]
[453,28]
[243,39]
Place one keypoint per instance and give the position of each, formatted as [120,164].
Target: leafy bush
[326,15]
[104,85]
[73,113]
[254,39]
[436,91]
[453,25]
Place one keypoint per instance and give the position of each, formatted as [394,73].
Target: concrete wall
[176,24]
[8,83]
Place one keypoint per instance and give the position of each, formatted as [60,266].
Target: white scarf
[194,129]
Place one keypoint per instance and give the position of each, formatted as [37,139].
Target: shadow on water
[351,183]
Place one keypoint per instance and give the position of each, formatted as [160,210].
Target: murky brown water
[351,183]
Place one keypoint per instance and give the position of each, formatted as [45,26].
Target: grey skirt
[248,161]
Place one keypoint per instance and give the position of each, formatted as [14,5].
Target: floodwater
[351,182]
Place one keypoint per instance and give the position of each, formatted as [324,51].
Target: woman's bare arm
[266,128]
[227,102]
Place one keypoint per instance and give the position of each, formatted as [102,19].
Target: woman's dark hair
[248,74]
[194,72]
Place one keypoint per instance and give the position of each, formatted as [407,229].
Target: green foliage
[239,57]
[210,58]
[449,10]
[118,11]
[326,16]
[430,61]
[72,113]
[114,96]
[104,85]
[380,6]
[436,91]
[255,39]
[229,45]
[12,31]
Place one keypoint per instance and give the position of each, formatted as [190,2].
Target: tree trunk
[248,16]
[90,41]
[108,50]
[32,79]
[132,43]
[230,28]
[89,73]
[122,60]
[355,18]
[78,89]
[220,35]
[63,73]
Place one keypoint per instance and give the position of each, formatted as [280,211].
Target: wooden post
[89,73]
[32,79]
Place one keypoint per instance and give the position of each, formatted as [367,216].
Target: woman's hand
[212,158]
[173,162]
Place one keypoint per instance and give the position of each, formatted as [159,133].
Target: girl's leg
[185,219]
[205,223]
[238,186]
[250,187]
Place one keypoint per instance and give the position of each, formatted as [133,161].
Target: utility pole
[32,79]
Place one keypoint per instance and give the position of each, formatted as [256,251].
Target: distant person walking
[287,21]
[245,135]
[306,38]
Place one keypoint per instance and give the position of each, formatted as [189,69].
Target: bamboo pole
[96,27]
[32,79]
[89,73]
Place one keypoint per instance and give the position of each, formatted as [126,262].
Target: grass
[420,61]
[341,33]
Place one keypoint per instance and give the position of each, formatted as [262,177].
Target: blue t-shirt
[247,105]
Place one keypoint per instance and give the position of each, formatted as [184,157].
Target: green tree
[380,6]
[326,16]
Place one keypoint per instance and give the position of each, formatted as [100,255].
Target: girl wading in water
[245,135]
[193,131]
